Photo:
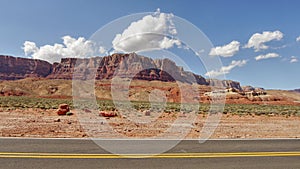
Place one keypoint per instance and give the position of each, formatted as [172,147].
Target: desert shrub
[23,102]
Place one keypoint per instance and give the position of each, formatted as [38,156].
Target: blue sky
[46,22]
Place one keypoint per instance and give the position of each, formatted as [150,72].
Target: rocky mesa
[129,65]
[13,68]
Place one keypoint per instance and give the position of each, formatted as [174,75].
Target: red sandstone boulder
[63,109]
[108,114]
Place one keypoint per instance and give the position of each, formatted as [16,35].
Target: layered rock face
[124,66]
[12,68]
[144,68]
[225,83]
[130,65]
[74,68]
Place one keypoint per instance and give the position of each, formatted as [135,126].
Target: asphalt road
[190,154]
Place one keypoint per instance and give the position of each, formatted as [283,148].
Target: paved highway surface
[76,154]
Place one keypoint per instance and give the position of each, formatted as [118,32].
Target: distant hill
[297,90]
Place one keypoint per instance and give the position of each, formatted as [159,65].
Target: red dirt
[45,123]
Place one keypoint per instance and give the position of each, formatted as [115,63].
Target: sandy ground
[45,123]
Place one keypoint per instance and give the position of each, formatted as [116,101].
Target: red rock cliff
[13,68]
[123,65]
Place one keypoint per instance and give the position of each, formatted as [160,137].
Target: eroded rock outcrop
[13,68]
[225,84]
[124,66]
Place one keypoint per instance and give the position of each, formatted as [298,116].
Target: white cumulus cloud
[227,50]
[294,59]
[226,69]
[29,48]
[151,32]
[298,39]
[71,47]
[102,50]
[258,40]
[267,56]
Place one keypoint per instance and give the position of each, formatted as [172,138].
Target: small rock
[57,120]
[63,109]
[107,114]
[127,130]
[147,112]
[87,110]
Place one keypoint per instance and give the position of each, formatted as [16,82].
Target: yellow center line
[164,155]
